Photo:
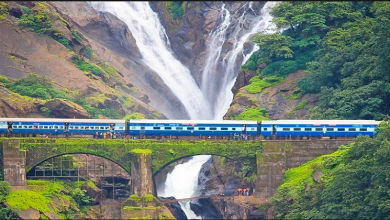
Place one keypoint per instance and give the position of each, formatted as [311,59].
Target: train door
[273,129]
[243,130]
[66,128]
[9,128]
[112,128]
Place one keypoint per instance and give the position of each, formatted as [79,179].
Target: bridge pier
[141,173]
[14,164]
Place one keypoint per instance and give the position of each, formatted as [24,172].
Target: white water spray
[153,44]
[220,73]
[182,183]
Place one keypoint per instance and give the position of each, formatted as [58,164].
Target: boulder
[29,214]
[52,215]
[63,108]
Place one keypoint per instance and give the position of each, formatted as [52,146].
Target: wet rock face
[205,208]
[175,209]
[218,176]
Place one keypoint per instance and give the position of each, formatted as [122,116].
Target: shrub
[252,114]
[258,84]
[3,10]
[301,105]
[281,68]
[64,42]
[135,115]
[45,111]
[76,35]
[175,9]
[88,52]
[84,66]
[4,190]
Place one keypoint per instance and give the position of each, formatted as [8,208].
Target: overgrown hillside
[352,183]
[342,48]
[50,67]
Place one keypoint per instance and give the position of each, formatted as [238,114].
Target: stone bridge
[142,158]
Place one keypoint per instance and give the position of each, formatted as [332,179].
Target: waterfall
[220,73]
[182,183]
[154,46]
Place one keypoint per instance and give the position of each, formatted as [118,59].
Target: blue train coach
[319,128]
[192,127]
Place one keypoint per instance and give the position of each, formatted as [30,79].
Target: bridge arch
[71,153]
[191,155]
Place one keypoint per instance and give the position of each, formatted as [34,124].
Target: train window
[51,127]
[318,129]
[341,129]
[133,127]
[224,129]
[86,127]
[14,126]
[142,128]
[55,127]
[40,126]
[107,128]
[35,127]
[71,127]
[101,128]
[190,128]
[156,128]
[297,129]
[264,129]
[168,128]
[352,129]
[286,129]
[213,129]
[252,129]
[26,127]
[81,127]
[120,128]
[61,126]
[202,129]
[77,127]
[233,129]
[330,129]
[30,126]
[363,129]
[179,128]
[307,129]
[45,127]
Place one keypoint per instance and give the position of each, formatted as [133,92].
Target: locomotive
[216,129]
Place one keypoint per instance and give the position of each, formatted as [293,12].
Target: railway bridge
[145,158]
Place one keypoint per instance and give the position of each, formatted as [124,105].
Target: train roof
[69,120]
[192,121]
[331,122]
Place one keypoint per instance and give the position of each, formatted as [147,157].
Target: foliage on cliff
[41,194]
[354,184]
[344,48]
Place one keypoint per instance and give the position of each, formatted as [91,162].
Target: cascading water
[182,183]
[154,46]
[220,73]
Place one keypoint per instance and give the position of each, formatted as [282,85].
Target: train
[188,129]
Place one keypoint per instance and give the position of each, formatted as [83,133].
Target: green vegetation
[135,115]
[25,199]
[77,36]
[342,45]
[45,111]
[3,10]
[109,69]
[87,67]
[354,184]
[175,9]
[141,151]
[257,84]
[252,114]
[88,52]
[301,105]
[40,195]
[36,86]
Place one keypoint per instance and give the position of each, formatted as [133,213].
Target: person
[114,136]
[104,135]
[97,135]
[118,135]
